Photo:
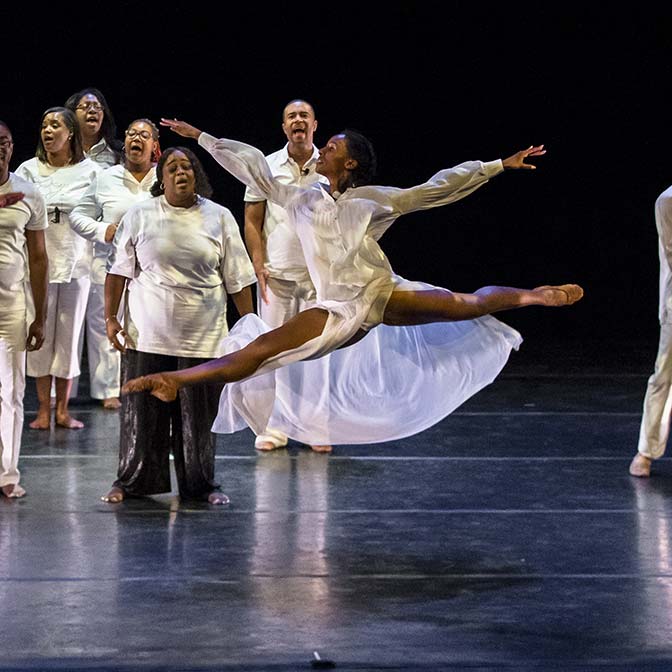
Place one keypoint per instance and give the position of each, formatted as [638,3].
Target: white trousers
[655,426]
[12,386]
[286,298]
[66,306]
[104,360]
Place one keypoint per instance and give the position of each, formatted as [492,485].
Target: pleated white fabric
[396,382]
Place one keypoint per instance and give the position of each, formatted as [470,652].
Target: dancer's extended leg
[440,305]
[300,329]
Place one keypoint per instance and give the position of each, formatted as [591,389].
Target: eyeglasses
[90,105]
[5,142]
[131,133]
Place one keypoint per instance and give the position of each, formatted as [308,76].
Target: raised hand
[9,199]
[181,128]
[518,159]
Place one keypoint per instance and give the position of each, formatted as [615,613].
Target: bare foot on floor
[13,491]
[266,446]
[42,421]
[68,422]
[218,498]
[111,404]
[560,295]
[114,496]
[158,384]
[321,449]
[640,466]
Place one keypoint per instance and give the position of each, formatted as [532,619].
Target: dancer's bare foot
[321,449]
[13,491]
[640,466]
[111,404]
[267,446]
[218,498]
[67,421]
[43,419]
[559,295]
[160,385]
[114,496]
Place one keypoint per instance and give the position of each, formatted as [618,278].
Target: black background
[432,84]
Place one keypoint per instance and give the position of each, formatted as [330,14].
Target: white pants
[286,298]
[66,306]
[12,386]
[104,360]
[658,401]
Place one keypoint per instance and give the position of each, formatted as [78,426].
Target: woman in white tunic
[62,174]
[96,218]
[356,289]
[179,255]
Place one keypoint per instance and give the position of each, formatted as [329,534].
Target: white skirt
[395,382]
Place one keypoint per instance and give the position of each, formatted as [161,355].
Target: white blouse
[181,262]
[26,215]
[62,188]
[109,196]
[102,154]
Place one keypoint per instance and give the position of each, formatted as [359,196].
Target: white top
[352,276]
[102,154]
[108,197]
[181,263]
[663,213]
[15,220]
[62,188]
[284,256]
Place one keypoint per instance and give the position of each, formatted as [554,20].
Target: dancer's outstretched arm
[451,184]
[244,162]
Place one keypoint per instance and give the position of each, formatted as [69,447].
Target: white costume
[181,262]
[289,288]
[655,427]
[69,265]
[109,196]
[423,372]
[15,220]
[102,154]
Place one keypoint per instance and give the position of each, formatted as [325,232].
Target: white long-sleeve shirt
[62,188]
[284,256]
[102,154]
[106,201]
[181,262]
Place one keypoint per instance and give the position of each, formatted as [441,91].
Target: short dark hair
[360,149]
[108,129]
[298,100]
[202,187]
[70,120]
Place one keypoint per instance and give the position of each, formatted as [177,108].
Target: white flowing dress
[396,381]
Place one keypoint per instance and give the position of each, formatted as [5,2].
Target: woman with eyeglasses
[62,174]
[179,255]
[97,126]
[96,218]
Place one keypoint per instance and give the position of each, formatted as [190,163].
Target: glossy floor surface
[509,537]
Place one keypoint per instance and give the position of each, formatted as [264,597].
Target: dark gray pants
[152,429]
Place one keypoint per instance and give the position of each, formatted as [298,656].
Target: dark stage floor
[509,537]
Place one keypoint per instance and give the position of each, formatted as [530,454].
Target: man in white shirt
[285,287]
[655,427]
[22,224]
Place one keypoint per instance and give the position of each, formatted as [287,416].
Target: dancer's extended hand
[9,199]
[158,384]
[181,128]
[518,159]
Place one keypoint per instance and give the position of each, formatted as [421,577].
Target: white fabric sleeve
[249,165]
[447,186]
[663,212]
[252,196]
[122,260]
[38,211]
[84,216]
[236,268]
